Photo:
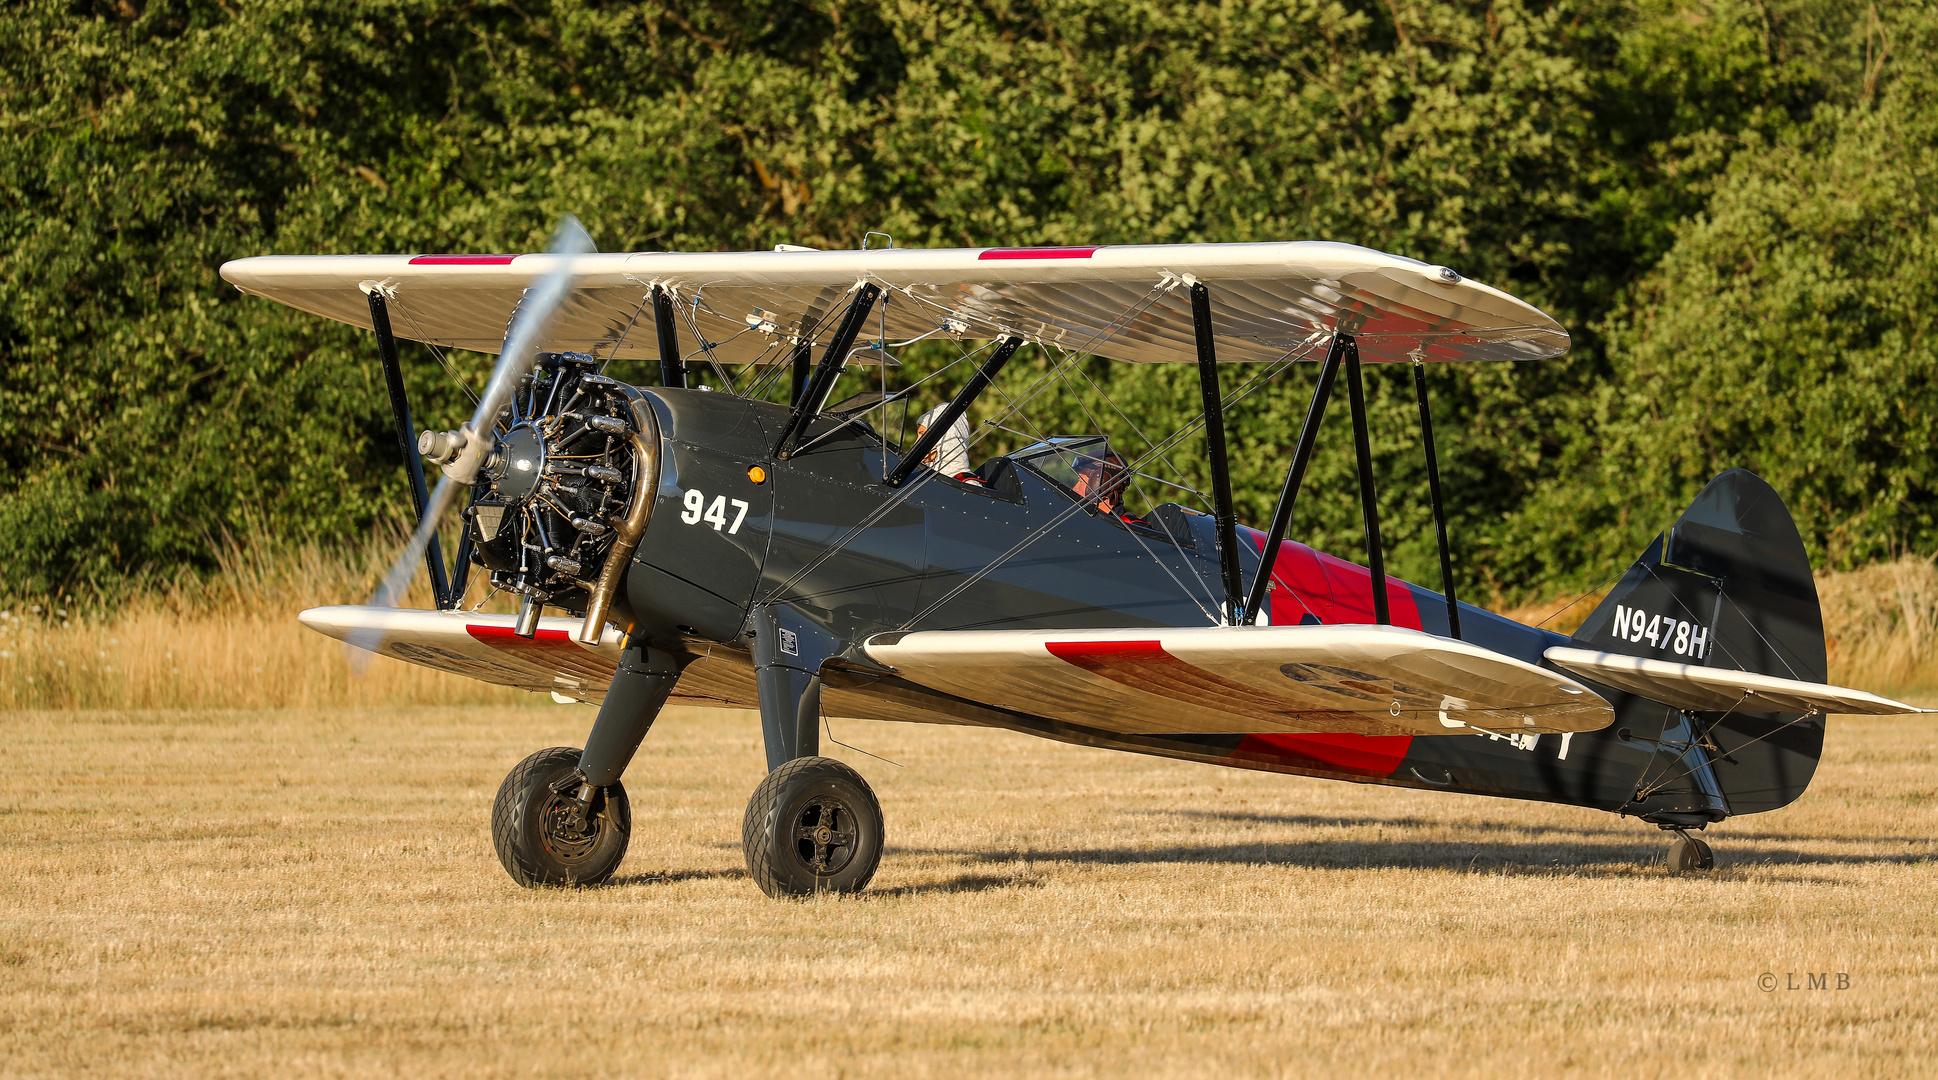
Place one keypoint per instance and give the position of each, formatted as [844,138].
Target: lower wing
[1360,680]
[482,647]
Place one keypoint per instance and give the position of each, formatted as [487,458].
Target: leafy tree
[1787,330]
[1558,150]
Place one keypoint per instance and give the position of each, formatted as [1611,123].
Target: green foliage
[1789,330]
[1715,197]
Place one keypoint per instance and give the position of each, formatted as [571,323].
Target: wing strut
[1295,475]
[420,495]
[803,354]
[1226,520]
[1433,493]
[1368,501]
[671,371]
[829,370]
[957,406]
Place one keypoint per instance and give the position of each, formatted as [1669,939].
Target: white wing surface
[1123,302]
[482,647]
[1704,689]
[1362,680]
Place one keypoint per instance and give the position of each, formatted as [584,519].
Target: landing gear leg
[1688,853]
[813,825]
[561,816]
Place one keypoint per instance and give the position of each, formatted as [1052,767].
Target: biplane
[738,533]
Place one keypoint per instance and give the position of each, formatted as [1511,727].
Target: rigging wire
[690,314]
[424,339]
[909,488]
[621,340]
[1178,436]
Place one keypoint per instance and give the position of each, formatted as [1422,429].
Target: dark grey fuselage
[823,541]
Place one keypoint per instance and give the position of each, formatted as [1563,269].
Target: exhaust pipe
[627,530]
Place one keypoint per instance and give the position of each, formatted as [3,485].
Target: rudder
[1729,586]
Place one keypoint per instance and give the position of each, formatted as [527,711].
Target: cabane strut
[957,406]
[829,369]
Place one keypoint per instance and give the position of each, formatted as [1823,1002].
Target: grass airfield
[313,893]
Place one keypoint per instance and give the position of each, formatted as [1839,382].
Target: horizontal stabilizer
[1361,680]
[1704,689]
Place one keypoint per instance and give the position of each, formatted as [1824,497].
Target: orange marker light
[757,474]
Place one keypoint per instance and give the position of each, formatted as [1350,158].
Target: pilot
[1101,481]
[951,454]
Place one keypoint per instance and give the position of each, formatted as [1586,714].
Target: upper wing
[483,647]
[1704,689]
[1364,680]
[1120,302]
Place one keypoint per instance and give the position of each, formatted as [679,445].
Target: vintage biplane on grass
[748,543]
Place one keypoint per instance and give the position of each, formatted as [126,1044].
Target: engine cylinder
[559,479]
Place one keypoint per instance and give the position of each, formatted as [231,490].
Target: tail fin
[1729,586]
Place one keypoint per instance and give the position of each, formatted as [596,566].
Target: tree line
[1729,204]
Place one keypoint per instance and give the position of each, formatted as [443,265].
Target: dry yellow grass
[232,641]
[313,893]
[229,640]
[229,856]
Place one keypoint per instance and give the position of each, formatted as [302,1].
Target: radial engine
[564,495]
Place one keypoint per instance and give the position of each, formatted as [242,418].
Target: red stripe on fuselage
[1356,755]
[1335,591]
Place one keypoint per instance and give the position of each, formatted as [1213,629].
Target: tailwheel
[544,833]
[812,826]
[1688,853]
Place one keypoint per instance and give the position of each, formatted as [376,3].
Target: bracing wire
[425,339]
[621,339]
[1067,513]
[1049,377]
[689,313]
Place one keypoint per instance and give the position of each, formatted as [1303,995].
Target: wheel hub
[824,835]
[568,828]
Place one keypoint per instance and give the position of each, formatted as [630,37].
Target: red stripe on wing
[1145,666]
[551,649]
[1038,253]
[463,260]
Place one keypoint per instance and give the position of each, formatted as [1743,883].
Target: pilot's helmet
[1103,476]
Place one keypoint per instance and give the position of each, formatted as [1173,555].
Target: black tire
[812,826]
[536,831]
[1689,854]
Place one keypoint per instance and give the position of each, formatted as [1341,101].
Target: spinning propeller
[465,451]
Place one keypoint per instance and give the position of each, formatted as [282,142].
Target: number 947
[714,514]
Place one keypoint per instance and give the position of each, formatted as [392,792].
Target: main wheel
[1687,853]
[812,826]
[542,833]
